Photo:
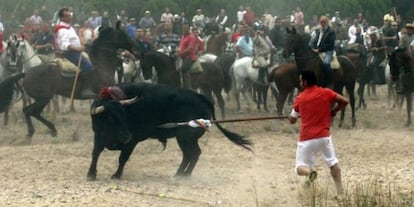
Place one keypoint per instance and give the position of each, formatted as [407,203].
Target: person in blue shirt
[244,45]
[131,28]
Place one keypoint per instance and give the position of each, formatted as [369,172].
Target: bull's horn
[128,101]
[97,110]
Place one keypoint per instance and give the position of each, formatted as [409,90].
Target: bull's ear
[97,110]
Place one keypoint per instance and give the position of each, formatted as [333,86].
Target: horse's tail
[7,89]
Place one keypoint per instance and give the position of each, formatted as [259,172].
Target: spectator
[45,14]
[131,28]
[249,17]
[240,14]
[167,16]
[95,20]
[106,21]
[221,19]
[143,44]
[199,20]
[177,24]
[35,19]
[147,22]
[86,36]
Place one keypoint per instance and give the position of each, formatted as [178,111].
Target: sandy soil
[52,171]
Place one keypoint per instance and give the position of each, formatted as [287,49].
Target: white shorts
[307,152]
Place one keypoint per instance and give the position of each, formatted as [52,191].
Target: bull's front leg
[97,149]
[123,158]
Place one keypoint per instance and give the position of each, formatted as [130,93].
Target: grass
[365,194]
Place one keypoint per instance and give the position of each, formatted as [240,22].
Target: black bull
[113,121]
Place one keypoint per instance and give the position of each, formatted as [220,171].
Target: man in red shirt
[249,16]
[187,52]
[313,106]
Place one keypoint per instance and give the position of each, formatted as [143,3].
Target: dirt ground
[52,171]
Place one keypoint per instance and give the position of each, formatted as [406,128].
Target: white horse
[244,73]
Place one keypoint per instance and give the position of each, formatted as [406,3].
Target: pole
[75,82]
[173,125]
[249,119]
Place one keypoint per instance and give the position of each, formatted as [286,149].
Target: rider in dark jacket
[324,42]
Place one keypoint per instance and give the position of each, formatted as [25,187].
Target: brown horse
[306,59]
[286,78]
[216,44]
[402,69]
[211,80]
[45,80]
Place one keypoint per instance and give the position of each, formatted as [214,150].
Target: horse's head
[110,40]
[292,42]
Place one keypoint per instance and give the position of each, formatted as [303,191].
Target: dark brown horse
[211,80]
[216,44]
[286,78]
[306,59]
[402,69]
[45,80]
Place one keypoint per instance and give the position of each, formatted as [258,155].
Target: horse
[211,80]
[286,78]
[243,71]
[402,69]
[216,43]
[42,82]
[306,59]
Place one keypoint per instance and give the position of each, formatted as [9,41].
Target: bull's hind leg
[188,144]
[35,109]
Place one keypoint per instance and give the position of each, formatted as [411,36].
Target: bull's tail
[232,136]
[236,138]
[7,89]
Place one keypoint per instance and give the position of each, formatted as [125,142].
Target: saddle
[334,62]
[196,67]
[67,68]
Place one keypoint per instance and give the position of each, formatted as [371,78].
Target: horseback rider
[324,42]
[167,41]
[407,37]
[221,20]
[244,44]
[389,33]
[378,51]
[68,42]
[187,52]
[262,47]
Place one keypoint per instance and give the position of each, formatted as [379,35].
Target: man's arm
[341,104]
[293,117]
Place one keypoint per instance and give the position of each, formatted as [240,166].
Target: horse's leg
[220,101]
[35,110]
[6,116]
[350,87]
[264,93]
[361,92]
[409,98]
[280,101]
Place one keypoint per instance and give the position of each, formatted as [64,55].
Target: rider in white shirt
[68,42]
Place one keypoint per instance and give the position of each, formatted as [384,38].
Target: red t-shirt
[235,37]
[186,42]
[314,107]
